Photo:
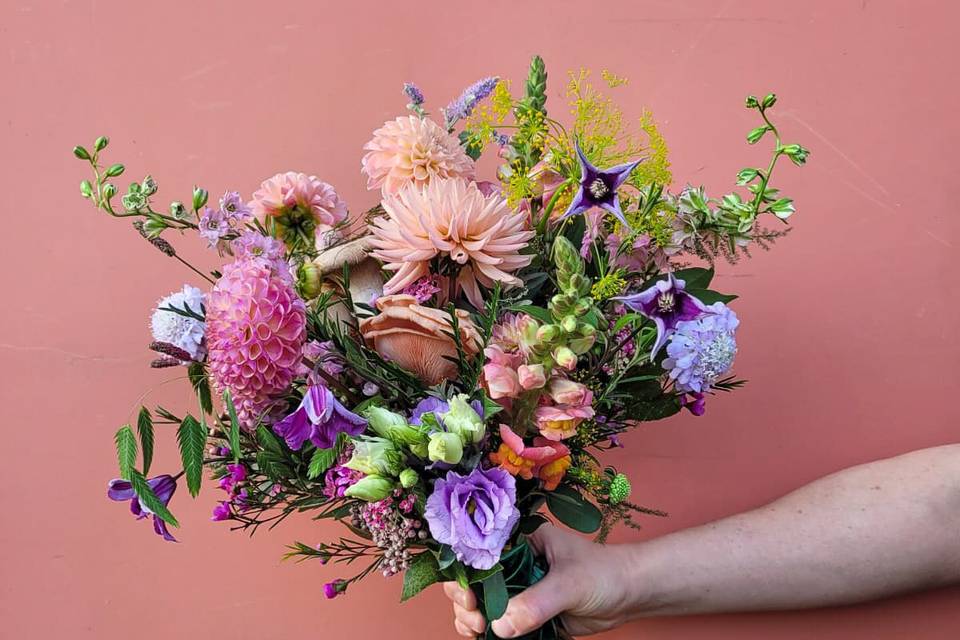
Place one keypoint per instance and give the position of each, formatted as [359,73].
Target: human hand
[587,583]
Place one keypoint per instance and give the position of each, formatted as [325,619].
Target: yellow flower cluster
[608,286]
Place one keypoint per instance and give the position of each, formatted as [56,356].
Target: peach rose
[415,337]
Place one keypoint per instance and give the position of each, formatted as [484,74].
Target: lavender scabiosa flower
[474,514]
[163,487]
[598,188]
[214,225]
[667,304]
[702,350]
[467,101]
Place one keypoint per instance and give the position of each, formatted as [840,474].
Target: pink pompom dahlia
[414,150]
[256,327]
[451,219]
[299,209]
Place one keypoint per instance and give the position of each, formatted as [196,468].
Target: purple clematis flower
[667,304]
[319,418]
[598,188]
[163,486]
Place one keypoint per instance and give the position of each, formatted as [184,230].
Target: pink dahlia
[256,327]
[301,209]
[451,219]
[414,150]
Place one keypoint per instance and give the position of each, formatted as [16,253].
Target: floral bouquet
[441,372]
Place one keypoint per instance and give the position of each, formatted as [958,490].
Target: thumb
[531,608]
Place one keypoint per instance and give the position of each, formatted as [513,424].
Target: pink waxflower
[413,150]
[298,208]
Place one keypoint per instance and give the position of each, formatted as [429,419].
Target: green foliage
[573,510]
[126,450]
[422,572]
[192,437]
[234,435]
[145,430]
[201,385]
[323,459]
[495,596]
[150,499]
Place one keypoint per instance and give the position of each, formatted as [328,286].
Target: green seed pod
[101,143]
[178,211]
[115,170]
[81,153]
[408,478]
[200,197]
[109,190]
[86,189]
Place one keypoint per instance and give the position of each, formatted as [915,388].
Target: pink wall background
[849,337]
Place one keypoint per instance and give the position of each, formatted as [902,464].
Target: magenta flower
[319,418]
[333,589]
[163,487]
[598,188]
[667,304]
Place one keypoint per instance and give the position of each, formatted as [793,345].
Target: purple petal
[120,490]
[160,528]
[614,208]
[295,429]
[621,172]
[579,204]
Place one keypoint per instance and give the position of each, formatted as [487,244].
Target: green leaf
[274,466]
[421,573]
[694,277]
[192,436]
[322,460]
[529,524]
[747,175]
[126,450]
[538,313]
[150,499]
[655,409]
[495,596]
[145,429]
[445,557]
[782,208]
[234,427]
[201,385]
[269,441]
[573,510]
[706,296]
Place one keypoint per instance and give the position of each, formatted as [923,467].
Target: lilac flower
[163,487]
[702,350]
[598,188]
[464,105]
[234,208]
[254,244]
[325,356]
[319,418]
[213,225]
[423,289]
[413,92]
[667,304]
[474,514]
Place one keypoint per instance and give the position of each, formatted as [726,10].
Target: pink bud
[531,376]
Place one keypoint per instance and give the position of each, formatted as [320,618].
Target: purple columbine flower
[474,514]
[413,92]
[163,487]
[319,418]
[598,188]
[667,304]
[464,105]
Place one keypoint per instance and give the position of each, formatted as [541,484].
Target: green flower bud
[581,345]
[86,189]
[751,102]
[462,420]
[372,488]
[199,198]
[381,420]
[153,227]
[420,449]
[408,478]
[81,153]
[445,447]
[109,190]
[579,284]
[547,333]
[619,489]
[769,100]
[178,211]
[101,143]
[308,281]
[133,201]
[148,186]
[565,357]
[115,170]
[375,456]
[569,324]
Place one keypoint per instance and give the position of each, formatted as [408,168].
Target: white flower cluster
[179,330]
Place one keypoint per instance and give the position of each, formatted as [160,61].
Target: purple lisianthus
[319,418]
[702,350]
[667,304]
[474,514]
[163,487]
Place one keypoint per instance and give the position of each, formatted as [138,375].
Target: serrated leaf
[234,434]
[495,596]
[145,431]
[192,437]
[273,465]
[126,450]
[201,385]
[150,499]
[269,441]
[321,461]
[421,573]
[573,510]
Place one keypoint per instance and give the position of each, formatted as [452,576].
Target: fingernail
[504,628]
